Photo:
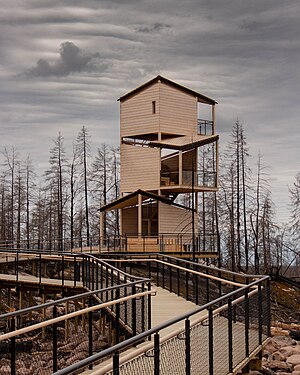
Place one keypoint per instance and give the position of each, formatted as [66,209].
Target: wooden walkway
[165,306]
[33,281]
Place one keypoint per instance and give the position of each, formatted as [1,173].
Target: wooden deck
[165,306]
[32,282]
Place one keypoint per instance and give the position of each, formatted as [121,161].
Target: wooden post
[213,117]
[217,163]
[101,230]
[180,167]
[140,215]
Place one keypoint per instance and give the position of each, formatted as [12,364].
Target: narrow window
[154,107]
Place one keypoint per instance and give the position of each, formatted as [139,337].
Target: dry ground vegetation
[34,350]
[282,354]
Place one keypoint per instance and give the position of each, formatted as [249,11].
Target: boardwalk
[216,336]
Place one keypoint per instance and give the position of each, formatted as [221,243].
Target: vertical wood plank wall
[174,219]
[136,115]
[140,168]
[178,111]
[129,220]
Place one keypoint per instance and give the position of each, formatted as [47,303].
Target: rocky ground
[282,353]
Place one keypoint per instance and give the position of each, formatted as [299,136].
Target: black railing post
[97,275]
[143,309]
[17,266]
[75,270]
[117,331]
[207,286]
[93,274]
[156,354]
[246,304]
[54,340]
[13,347]
[40,268]
[178,279]
[134,311]
[268,312]
[187,347]
[83,270]
[187,285]
[62,270]
[163,275]
[196,289]
[230,337]
[170,278]
[90,315]
[157,271]
[260,315]
[149,267]
[116,363]
[149,308]
[211,340]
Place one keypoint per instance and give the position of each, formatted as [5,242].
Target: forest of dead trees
[63,203]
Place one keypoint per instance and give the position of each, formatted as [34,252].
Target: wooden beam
[140,215]
[180,167]
[213,117]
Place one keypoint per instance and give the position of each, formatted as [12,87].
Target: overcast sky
[64,64]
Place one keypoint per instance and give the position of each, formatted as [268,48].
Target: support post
[187,348]
[140,215]
[101,231]
[180,167]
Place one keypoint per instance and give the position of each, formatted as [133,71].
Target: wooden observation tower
[168,154]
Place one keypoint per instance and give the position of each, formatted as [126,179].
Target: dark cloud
[72,60]
[156,27]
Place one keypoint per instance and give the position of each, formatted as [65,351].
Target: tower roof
[201,98]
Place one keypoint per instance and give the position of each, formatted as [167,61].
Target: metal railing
[164,243]
[50,336]
[201,178]
[205,127]
[179,243]
[230,325]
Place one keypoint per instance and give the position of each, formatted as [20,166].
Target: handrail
[71,255]
[73,314]
[133,340]
[185,269]
[66,299]
[169,336]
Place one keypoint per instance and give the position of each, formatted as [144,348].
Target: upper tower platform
[164,127]
[160,109]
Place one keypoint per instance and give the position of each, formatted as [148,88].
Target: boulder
[278,365]
[293,360]
[280,341]
[279,356]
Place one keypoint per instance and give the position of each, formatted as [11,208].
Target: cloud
[71,60]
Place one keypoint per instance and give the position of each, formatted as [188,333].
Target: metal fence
[215,344]
[44,338]
[232,322]
[163,243]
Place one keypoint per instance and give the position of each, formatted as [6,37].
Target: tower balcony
[205,127]
[183,181]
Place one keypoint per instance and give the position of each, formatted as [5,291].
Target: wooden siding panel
[174,220]
[129,220]
[178,111]
[140,168]
[136,115]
